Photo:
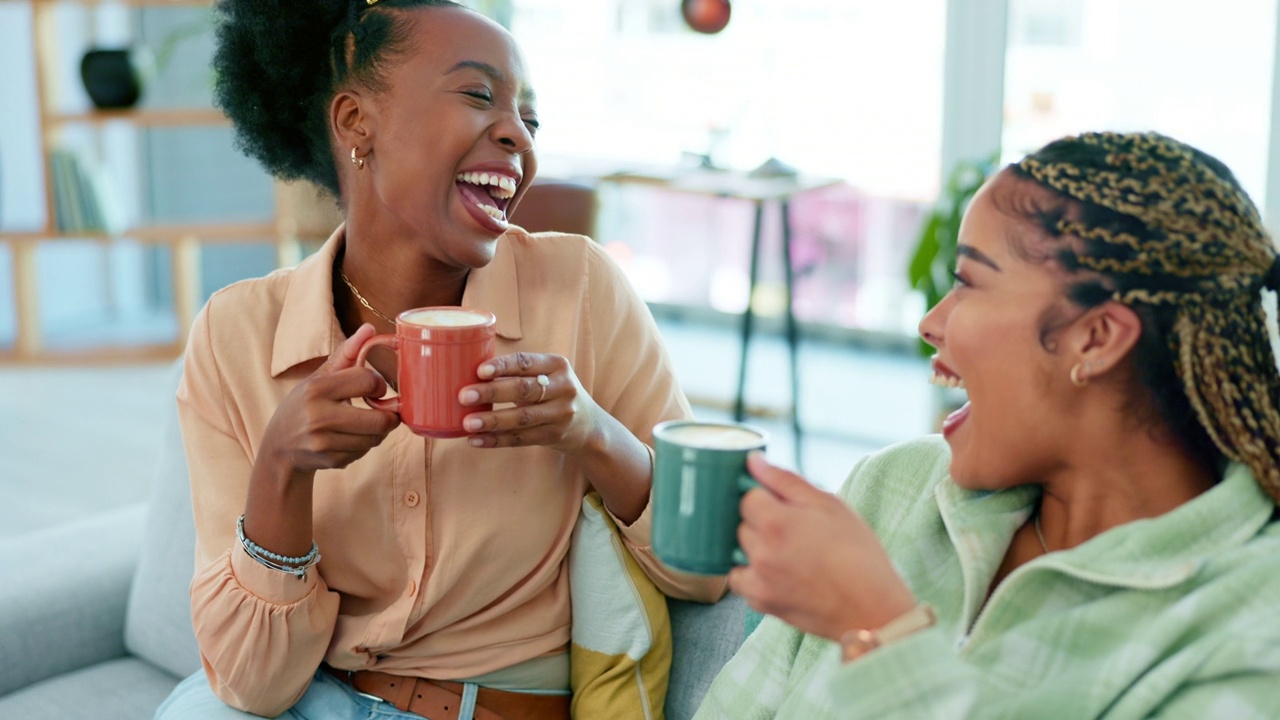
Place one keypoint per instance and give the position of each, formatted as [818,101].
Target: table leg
[748,317]
[793,336]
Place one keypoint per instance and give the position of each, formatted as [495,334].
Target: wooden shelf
[217,232]
[296,217]
[142,117]
[126,3]
[106,355]
[207,232]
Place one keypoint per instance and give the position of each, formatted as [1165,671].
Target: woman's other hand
[316,427]
[814,563]
[551,406]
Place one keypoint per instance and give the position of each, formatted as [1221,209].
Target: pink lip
[487,221]
[955,420]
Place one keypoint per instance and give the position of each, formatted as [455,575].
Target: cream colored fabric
[621,652]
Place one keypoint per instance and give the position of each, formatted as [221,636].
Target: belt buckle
[367,696]
[350,681]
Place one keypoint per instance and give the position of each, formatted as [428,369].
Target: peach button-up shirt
[438,559]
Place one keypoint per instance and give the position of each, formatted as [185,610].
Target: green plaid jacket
[1172,617]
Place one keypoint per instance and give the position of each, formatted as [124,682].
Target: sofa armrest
[63,592]
[704,637]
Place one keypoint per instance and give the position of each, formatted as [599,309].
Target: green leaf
[926,250]
[934,257]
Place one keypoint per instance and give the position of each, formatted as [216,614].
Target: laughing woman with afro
[345,566]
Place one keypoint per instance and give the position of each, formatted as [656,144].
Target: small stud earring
[357,161]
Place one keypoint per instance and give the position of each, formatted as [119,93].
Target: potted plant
[934,258]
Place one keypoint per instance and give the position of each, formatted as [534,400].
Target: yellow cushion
[621,651]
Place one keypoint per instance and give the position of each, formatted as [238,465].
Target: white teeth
[946,381]
[494,212]
[503,186]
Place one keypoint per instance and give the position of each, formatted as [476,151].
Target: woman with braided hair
[1096,532]
[443,588]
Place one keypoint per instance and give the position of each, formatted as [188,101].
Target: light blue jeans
[326,699]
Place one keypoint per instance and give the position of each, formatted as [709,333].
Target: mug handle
[393,342]
[746,484]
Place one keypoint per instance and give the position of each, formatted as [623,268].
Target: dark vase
[111,78]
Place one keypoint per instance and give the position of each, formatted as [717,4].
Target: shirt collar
[1153,553]
[496,286]
[308,327]
[1166,550]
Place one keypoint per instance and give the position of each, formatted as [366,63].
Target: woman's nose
[930,327]
[514,135]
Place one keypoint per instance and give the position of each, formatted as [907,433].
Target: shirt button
[413,586]
[411,498]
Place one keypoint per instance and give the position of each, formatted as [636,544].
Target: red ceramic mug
[438,352]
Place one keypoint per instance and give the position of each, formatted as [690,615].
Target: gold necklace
[1036,523]
[360,297]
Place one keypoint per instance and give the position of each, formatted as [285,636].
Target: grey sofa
[95,620]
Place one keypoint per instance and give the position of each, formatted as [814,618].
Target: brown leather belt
[441,699]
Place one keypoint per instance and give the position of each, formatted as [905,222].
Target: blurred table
[759,190]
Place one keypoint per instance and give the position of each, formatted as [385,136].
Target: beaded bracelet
[296,566]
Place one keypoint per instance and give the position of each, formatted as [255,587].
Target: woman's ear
[350,120]
[1107,333]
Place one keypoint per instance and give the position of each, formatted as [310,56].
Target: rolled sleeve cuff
[640,532]
[274,586]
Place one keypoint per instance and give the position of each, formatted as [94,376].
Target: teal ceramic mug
[699,477]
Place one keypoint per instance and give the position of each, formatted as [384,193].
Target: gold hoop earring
[1076,378]
[357,161]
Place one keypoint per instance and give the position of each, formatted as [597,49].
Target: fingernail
[476,442]
[472,424]
[486,371]
[469,396]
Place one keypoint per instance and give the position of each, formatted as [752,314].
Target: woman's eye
[479,95]
[959,279]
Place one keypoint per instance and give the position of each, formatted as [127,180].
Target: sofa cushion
[123,688]
[158,620]
[705,636]
[63,592]
[621,636]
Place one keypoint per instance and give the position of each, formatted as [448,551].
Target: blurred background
[116,224]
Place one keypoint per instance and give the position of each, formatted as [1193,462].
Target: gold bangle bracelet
[856,643]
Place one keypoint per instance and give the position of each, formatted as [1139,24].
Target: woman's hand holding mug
[812,561]
[551,407]
[316,427]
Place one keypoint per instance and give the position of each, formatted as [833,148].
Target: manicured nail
[476,442]
[469,396]
[472,425]
[486,371]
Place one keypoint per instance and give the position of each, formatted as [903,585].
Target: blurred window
[845,88]
[1198,71]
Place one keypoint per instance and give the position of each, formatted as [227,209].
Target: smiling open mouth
[490,192]
[945,378]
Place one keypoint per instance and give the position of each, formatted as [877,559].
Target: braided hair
[1166,229]
[279,64]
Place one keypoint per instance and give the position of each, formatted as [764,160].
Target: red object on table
[706,16]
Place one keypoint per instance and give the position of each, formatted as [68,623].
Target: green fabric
[1176,616]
